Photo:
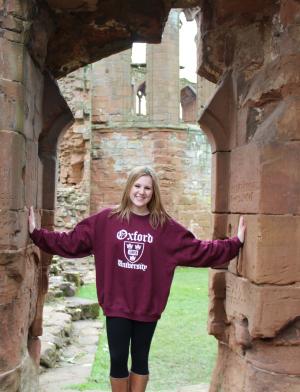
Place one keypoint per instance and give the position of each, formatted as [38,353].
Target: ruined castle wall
[73,187]
[21,85]
[181,158]
[121,140]
[253,123]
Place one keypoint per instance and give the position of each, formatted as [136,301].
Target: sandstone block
[229,372]
[11,67]
[33,95]
[259,305]
[220,181]
[279,359]
[257,380]
[233,373]
[14,326]
[30,173]
[278,122]
[11,175]
[271,251]
[13,229]
[216,324]
[264,86]
[257,173]
[12,105]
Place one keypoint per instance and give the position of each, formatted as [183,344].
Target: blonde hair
[158,214]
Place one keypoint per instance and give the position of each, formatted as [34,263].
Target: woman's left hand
[241,230]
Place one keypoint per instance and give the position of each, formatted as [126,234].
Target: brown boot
[119,384]
[137,382]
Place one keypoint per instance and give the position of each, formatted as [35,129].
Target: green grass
[182,353]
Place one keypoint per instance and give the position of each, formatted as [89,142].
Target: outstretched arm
[189,251]
[73,244]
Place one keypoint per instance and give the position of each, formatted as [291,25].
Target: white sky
[187,50]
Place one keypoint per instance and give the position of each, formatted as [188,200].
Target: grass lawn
[181,353]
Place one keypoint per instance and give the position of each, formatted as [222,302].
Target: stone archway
[252,50]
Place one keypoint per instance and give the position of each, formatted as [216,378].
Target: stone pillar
[111,89]
[22,273]
[162,91]
[252,51]
[21,85]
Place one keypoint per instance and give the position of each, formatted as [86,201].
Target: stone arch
[260,141]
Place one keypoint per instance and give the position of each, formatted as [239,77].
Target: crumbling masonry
[251,50]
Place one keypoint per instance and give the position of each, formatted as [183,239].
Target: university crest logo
[133,251]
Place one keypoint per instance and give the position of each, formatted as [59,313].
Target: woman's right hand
[31,220]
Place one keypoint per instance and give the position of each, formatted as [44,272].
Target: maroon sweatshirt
[135,263]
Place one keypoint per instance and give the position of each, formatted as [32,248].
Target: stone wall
[181,157]
[121,139]
[252,50]
[73,187]
[21,102]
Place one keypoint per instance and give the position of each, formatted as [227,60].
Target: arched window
[141,100]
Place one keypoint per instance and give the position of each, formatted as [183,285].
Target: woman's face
[140,194]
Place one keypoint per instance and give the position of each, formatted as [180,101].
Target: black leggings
[120,333]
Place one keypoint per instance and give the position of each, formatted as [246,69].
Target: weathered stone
[184,179]
[29,375]
[268,237]
[220,189]
[11,67]
[255,178]
[11,175]
[33,96]
[73,276]
[263,319]
[13,229]
[103,25]
[216,311]
[233,374]
[68,289]
[12,102]
[273,358]
[88,308]
[10,381]
[49,354]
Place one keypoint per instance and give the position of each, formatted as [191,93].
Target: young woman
[137,247]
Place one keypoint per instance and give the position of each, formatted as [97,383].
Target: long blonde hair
[158,214]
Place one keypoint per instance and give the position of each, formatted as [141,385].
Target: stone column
[162,83]
[111,89]
[21,85]
[22,273]
[252,51]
